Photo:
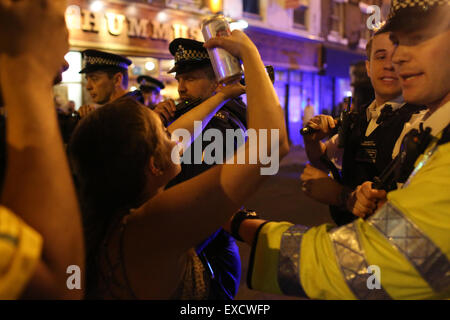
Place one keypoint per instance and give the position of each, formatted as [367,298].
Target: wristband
[238,218]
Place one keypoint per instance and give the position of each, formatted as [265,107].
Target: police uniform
[368,152]
[149,84]
[95,60]
[401,252]
[220,250]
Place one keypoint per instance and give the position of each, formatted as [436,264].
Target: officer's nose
[89,85]
[401,55]
[181,86]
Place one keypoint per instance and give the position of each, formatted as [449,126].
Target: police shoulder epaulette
[222,115]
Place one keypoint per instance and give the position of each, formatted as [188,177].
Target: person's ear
[368,67]
[154,168]
[118,79]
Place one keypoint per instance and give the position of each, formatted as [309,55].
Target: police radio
[344,117]
[413,145]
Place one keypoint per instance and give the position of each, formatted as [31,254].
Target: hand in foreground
[85,110]
[35,30]
[166,110]
[231,90]
[318,185]
[367,200]
[236,44]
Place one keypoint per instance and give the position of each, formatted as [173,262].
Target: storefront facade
[305,66]
[139,31]
[301,73]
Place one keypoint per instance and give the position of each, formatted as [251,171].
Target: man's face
[422,61]
[381,70]
[100,86]
[195,84]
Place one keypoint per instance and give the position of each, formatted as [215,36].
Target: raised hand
[232,90]
[323,124]
[237,44]
[85,110]
[35,30]
[166,110]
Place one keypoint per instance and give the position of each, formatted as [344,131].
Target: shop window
[156,68]
[251,7]
[71,87]
[337,19]
[300,17]
[365,32]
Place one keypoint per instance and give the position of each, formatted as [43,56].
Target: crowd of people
[108,195]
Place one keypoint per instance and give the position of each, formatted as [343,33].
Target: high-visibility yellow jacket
[20,250]
[401,252]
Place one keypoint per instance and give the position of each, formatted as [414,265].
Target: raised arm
[38,186]
[194,209]
[314,147]
[205,111]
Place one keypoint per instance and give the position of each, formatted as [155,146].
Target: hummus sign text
[116,24]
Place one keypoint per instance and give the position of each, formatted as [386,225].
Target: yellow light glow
[215,5]
[150,66]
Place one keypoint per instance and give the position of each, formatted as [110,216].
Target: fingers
[171,108]
[361,211]
[367,199]
[235,44]
[322,123]
[372,194]
[85,110]
[331,122]
[231,90]
[364,201]
[214,43]
[166,110]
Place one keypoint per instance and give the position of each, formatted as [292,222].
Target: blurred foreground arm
[38,185]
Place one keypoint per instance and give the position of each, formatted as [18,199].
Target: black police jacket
[366,157]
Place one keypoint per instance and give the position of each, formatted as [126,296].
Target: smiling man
[403,250]
[368,144]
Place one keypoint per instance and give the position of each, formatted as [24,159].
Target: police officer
[369,139]
[150,89]
[107,80]
[197,82]
[403,250]
[107,77]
